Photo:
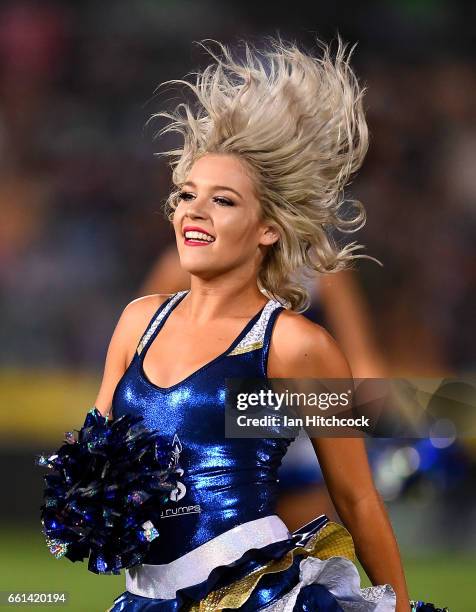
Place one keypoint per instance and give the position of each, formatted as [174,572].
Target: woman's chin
[198,270]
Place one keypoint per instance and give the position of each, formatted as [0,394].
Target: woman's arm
[302,349]
[347,474]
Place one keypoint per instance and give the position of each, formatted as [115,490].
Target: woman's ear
[270,235]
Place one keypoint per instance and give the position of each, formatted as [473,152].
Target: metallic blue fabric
[226,482]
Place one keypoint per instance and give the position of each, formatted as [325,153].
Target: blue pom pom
[103,490]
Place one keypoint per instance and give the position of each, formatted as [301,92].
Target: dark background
[81,224]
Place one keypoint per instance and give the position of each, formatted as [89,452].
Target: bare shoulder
[140,308]
[132,323]
[301,348]
[136,316]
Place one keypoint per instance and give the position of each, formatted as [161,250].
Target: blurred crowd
[81,191]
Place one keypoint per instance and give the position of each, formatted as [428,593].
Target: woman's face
[218,197]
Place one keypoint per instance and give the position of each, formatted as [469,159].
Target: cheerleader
[267,148]
[266,154]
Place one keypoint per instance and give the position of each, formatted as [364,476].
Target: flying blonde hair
[298,124]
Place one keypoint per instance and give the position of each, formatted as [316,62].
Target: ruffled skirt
[312,570]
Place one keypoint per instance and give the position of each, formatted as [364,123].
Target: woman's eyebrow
[192,184]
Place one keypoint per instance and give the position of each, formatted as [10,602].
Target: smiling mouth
[195,238]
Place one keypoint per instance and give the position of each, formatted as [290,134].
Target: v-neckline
[145,350]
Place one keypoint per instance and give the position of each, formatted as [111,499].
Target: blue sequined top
[226,481]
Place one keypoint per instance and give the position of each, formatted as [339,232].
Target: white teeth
[199,235]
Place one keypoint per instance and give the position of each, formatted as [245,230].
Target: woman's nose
[197,207]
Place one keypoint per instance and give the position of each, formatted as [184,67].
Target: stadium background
[81,194]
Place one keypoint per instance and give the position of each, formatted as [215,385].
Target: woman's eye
[184,195]
[224,201]
[187,196]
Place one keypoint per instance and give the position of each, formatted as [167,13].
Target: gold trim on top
[246,349]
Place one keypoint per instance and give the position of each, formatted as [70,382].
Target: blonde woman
[267,147]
